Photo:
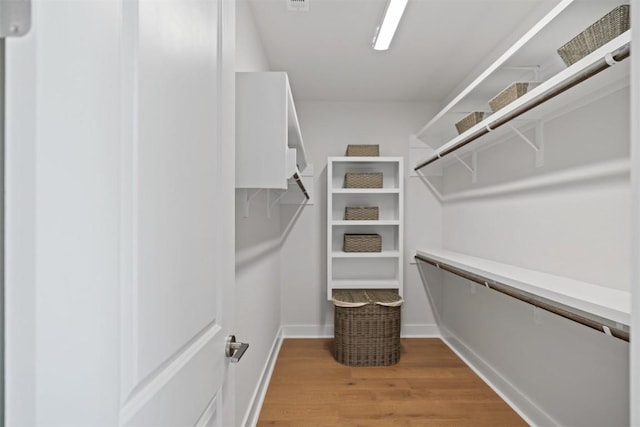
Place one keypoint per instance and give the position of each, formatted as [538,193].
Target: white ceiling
[327,50]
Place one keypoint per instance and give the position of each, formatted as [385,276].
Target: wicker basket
[367,327]
[363,180]
[361,213]
[597,34]
[469,121]
[362,150]
[508,95]
[362,243]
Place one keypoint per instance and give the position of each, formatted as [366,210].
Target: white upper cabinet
[269,147]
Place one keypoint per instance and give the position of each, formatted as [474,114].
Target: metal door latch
[235,350]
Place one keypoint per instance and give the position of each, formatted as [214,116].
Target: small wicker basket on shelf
[363,150]
[367,327]
[363,180]
[365,213]
[510,94]
[362,243]
[596,35]
[469,121]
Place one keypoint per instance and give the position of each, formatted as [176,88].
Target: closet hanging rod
[593,321]
[296,177]
[598,66]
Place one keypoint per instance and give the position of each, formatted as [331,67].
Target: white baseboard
[326,331]
[532,414]
[251,417]
[420,330]
[307,331]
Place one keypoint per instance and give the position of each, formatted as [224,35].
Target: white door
[119,228]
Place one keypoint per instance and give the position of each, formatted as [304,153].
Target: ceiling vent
[298,5]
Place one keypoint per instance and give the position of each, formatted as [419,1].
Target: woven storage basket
[361,213]
[469,121]
[363,180]
[508,95]
[362,243]
[597,34]
[363,150]
[367,327]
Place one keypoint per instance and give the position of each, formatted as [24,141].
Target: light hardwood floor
[430,386]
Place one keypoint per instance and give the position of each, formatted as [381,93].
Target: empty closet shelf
[605,309]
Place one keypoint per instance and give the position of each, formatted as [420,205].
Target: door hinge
[15,18]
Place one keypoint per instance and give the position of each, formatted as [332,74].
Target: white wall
[257,308]
[578,230]
[635,226]
[556,371]
[327,128]
[2,145]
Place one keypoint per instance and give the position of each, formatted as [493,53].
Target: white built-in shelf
[536,50]
[365,270]
[596,303]
[270,151]
[383,254]
[352,223]
[366,284]
[366,191]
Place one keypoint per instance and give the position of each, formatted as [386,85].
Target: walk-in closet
[320,213]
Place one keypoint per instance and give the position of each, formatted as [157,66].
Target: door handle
[235,350]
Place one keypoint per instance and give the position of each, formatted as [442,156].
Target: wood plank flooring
[430,386]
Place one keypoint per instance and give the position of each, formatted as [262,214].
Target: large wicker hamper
[367,327]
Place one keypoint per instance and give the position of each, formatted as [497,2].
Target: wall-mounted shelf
[605,309]
[366,191]
[365,270]
[383,254]
[594,73]
[269,149]
[363,223]
[366,284]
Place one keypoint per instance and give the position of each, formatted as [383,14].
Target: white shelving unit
[532,58]
[269,150]
[368,270]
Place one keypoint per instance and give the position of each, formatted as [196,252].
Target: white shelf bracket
[473,168]
[270,204]
[248,198]
[535,70]
[538,145]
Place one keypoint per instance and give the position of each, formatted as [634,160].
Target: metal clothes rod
[601,65]
[593,321]
[301,185]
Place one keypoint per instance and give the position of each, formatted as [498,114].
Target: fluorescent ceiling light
[386,30]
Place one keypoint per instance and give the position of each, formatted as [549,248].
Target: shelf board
[383,254]
[365,191]
[362,222]
[365,284]
[606,303]
[594,84]
[365,159]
